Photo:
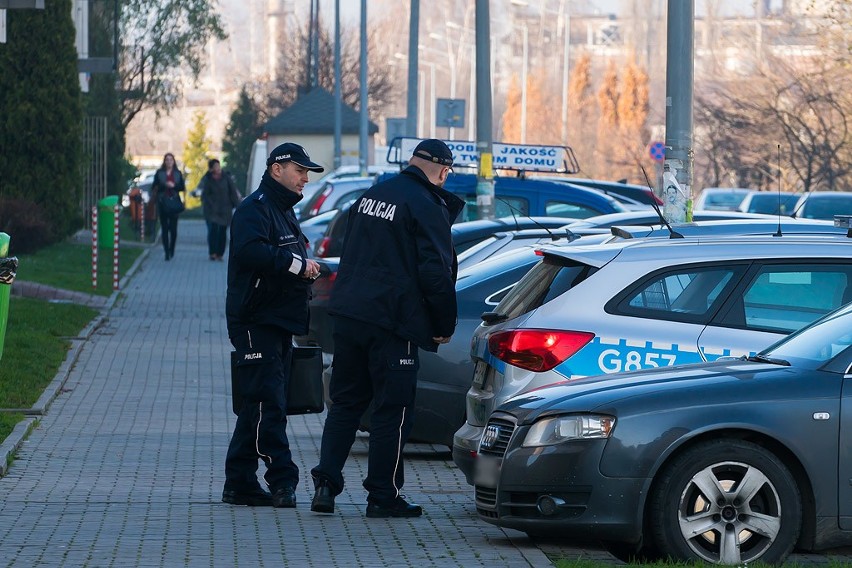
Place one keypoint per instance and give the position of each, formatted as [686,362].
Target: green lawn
[37,341]
[38,333]
[69,265]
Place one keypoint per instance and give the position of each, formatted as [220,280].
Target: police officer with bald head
[394,294]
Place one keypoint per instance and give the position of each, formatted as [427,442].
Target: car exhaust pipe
[549,505]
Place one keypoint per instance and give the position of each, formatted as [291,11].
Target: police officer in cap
[394,293]
[269,279]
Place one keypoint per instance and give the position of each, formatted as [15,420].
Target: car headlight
[558,429]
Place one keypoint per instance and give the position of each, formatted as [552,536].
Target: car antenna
[672,233]
[778,232]
[553,236]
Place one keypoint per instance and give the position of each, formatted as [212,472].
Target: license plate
[486,471]
[479,372]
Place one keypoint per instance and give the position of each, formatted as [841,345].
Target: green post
[5,290]
[106,220]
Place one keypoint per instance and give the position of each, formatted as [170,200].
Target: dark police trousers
[370,363]
[261,429]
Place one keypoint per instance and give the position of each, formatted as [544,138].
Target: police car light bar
[515,157]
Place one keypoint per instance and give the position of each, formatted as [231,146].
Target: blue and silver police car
[643,303]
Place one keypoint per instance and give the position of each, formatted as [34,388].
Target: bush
[26,224]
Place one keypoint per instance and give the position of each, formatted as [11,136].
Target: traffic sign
[657,151]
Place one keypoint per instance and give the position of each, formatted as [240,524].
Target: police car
[642,303]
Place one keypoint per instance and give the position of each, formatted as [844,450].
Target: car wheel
[726,502]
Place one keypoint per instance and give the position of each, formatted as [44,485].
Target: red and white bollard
[94,247]
[142,219]
[116,213]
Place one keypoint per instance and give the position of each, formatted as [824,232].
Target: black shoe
[399,507]
[254,498]
[323,501]
[284,498]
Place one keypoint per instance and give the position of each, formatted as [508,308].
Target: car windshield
[816,344]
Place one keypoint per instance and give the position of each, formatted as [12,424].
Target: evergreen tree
[41,125]
[196,152]
[240,133]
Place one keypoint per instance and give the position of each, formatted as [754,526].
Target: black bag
[304,393]
[171,203]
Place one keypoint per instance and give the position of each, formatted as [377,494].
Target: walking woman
[166,188]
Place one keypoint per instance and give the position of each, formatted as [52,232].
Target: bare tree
[293,72]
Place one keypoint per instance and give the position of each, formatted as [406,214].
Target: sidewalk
[125,467]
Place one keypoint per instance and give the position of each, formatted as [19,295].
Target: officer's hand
[312,269]
[441,340]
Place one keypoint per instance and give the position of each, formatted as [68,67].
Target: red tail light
[320,200]
[537,349]
[322,247]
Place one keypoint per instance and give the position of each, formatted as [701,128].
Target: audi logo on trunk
[489,437]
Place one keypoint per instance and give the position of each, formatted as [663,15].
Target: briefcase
[304,393]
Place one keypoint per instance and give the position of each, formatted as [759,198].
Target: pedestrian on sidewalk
[395,293]
[219,197]
[269,279]
[167,186]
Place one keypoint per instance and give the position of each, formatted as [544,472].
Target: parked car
[769,203]
[640,303]
[522,197]
[603,223]
[315,227]
[732,462]
[621,190]
[345,172]
[333,195]
[823,205]
[720,198]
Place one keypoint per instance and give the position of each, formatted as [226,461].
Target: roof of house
[313,113]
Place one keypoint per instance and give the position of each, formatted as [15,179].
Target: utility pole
[413,54]
[485,175]
[362,142]
[677,168]
[338,110]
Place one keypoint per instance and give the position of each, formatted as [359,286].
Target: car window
[348,198]
[546,280]
[571,210]
[816,208]
[814,346]
[785,298]
[684,294]
[503,207]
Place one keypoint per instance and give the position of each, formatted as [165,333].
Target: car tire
[687,525]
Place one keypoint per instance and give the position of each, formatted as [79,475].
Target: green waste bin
[106,220]
[5,289]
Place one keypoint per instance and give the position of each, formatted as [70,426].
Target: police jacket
[398,266]
[266,263]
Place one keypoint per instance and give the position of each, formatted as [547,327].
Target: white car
[640,303]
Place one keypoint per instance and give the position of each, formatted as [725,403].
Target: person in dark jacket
[395,293]
[219,197]
[168,182]
[269,279]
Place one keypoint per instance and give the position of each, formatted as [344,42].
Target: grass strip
[37,342]
[69,266]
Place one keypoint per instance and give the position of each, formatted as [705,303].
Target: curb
[13,442]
